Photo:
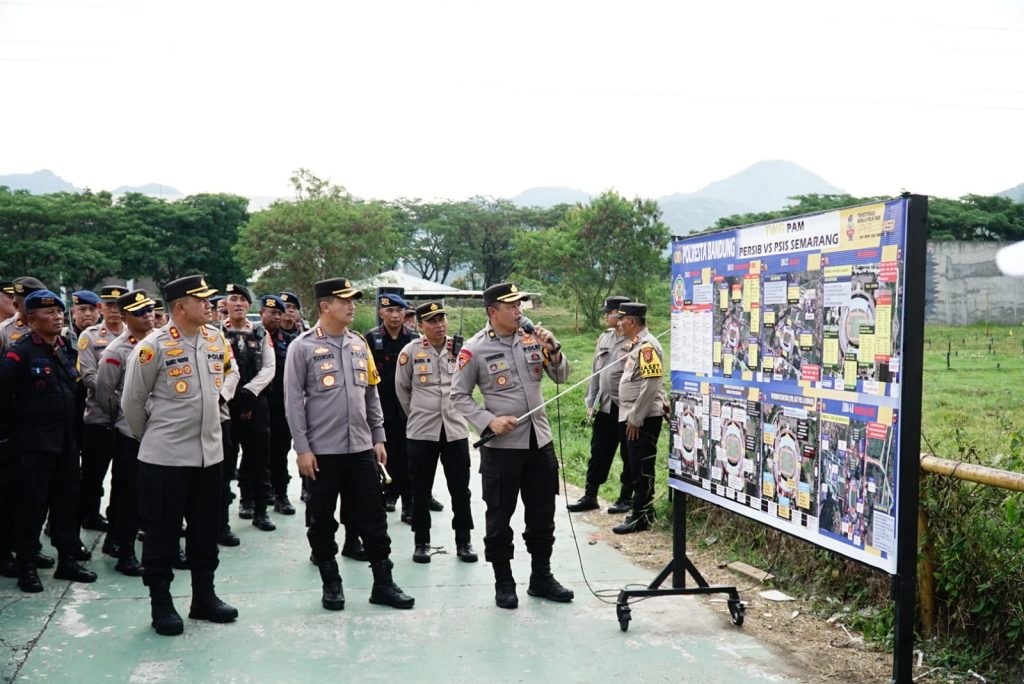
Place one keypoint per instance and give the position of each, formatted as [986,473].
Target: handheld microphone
[527,325]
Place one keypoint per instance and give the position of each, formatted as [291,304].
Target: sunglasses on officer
[139,313]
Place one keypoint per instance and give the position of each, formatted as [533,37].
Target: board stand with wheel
[678,568]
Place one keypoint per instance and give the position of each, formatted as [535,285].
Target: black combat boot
[128,564]
[353,548]
[421,552]
[111,547]
[504,585]
[206,605]
[165,618]
[28,578]
[260,520]
[227,537]
[463,549]
[385,592]
[633,523]
[334,595]
[70,569]
[43,562]
[544,584]
[623,503]
[584,503]
[283,505]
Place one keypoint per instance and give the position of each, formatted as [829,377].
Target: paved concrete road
[100,632]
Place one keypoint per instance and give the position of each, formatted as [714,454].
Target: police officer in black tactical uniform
[250,412]
[37,402]
[386,342]
[272,309]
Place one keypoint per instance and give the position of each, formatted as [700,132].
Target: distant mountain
[38,183]
[151,189]
[1016,194]
[547,197]
[765,186]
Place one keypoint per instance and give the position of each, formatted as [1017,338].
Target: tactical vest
[247,346]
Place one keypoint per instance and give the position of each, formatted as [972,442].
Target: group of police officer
[170,402]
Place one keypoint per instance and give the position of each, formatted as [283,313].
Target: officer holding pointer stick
[508,361]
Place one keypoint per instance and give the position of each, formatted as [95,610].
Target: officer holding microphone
[508,361]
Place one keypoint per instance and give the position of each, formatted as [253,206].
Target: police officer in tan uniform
[16,327]
[173,387]
[337,425]
[7,308]
[98,434]
[602,402]
[641,406]
[423,380]
[508,364]
[137,308]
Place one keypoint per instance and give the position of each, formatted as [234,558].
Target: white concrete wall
[964,286]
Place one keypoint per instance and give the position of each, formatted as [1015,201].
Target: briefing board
[786,374]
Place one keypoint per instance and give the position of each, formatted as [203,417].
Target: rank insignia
[173,332]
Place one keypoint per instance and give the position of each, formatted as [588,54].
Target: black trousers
[97,452]
[7,507]
[124,493]
[508,474]
[253,435]
[355,479]
[168,495]
[643,452]
[608,436]
[398,461]
[280,445]
[230,450]
[454,456]
[45,481]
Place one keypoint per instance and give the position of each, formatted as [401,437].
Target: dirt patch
[824,651]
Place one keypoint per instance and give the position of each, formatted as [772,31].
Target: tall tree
[612,245]
[323,233]
[168,240]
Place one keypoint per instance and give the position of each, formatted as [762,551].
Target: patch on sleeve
[113,362]
[403,359]
[373,374]
[145,354]
[83,343]
[465,356]
[650,363]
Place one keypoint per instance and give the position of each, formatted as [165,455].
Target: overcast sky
[451,99]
